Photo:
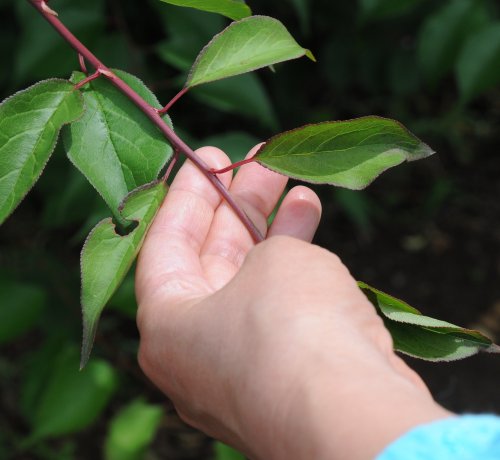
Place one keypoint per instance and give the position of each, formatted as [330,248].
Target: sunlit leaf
[246,45]
[233,9]
[348,154]
[443,34]
[72,400]
[478,66]
[114,144]
[132,430]
[30,122]
[107,256]
[423,337]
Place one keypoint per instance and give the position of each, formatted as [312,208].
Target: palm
[196,243]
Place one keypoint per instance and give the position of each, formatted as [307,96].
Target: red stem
[173,101]
[152,113]
[233,166]
[83,67]
[170,166]
[90,78]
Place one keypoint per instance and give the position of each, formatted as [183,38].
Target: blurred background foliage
[427,232]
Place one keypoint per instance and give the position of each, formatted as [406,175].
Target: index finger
[169,262]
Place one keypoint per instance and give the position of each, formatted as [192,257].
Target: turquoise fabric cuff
[466,437]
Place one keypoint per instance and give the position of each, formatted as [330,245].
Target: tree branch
[152,113]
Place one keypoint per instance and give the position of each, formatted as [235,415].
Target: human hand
[272,349]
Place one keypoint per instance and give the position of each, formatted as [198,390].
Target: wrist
[354,417]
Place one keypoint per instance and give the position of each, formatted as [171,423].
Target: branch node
[233,166]
[83,67]
[47,9]
[95,75]
[173,101]
[106,73]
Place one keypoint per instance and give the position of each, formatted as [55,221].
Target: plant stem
[174,100]
[233,166]
[152,113]
[90,78]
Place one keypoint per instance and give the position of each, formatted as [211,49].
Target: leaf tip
[493,348]
[422,151]
[310,55]
[89,332]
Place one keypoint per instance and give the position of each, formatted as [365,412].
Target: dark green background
[427,232]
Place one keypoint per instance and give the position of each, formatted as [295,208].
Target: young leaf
[107,256]
[132,430]
[478,67]
[423,337]
[30,122]
[72,400]
[246,45]
[114,144]
[233,9]
[348,154]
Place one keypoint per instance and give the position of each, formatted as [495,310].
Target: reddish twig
[171,166]
[152,113]
[83,67]
[95,75]
[233,166]
[174,100]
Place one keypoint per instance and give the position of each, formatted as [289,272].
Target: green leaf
[224,452]
[188,31]
[123,300]
[114,144]
[478,66]
[21,306]
[443,34]
[107,256]
[423,337]
[348,154]
[30,122]
[72,400]
[132,430]
[246,45]
[233,9]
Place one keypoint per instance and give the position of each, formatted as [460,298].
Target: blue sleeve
[468,437]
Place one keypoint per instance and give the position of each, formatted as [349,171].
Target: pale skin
[270,348]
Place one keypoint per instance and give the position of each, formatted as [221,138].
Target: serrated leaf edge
[90,333]
[57,137]
[424,150]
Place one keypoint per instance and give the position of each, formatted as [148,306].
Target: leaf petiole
[233,166]
[173,101]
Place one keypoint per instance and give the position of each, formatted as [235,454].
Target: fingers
[298,215]
[169,259]
[257,190]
